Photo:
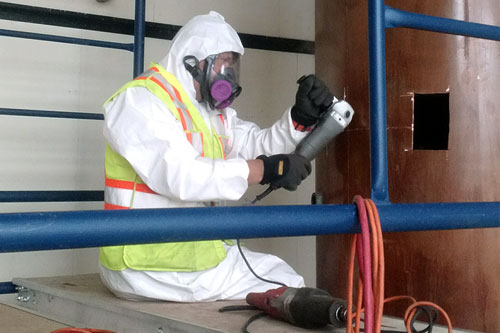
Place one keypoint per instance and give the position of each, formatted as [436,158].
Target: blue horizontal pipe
[398,18]
[51,114]
[50,196]
[7,288]
[67,40]
[79,229]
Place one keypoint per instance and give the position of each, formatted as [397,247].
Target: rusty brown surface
[458,269]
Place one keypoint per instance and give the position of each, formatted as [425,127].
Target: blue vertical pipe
[378,117]
[139,31]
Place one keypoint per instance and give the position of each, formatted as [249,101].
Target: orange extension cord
[376,251]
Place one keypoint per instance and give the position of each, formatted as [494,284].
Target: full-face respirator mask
[218,79]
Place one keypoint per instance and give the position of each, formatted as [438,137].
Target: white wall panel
[63,154]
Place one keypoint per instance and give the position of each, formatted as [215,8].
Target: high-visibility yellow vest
[123,184]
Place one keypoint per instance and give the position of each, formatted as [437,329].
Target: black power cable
[249,307]
[250,320]
[251,270]
[432,317]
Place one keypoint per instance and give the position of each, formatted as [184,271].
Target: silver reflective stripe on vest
[218,124]
[193,133]
[197,141]
[180,106]
[118,196]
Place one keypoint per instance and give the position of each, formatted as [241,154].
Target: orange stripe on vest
[178,95]
[108,206]
[203,146]
[128,185]
[222,148]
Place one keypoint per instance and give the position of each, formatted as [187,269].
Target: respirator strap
[195,69]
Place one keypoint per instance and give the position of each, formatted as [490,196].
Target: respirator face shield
[223,73]
[218,78]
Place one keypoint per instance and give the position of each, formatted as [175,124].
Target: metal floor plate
[13,320]
[83,301]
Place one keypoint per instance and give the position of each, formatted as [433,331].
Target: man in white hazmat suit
[173,141]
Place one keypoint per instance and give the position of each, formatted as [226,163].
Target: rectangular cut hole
[431,121]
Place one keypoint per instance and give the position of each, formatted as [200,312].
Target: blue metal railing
[378,104]
[7,288]
[139,32]
[380,18]
[398,18]
[59,230]
[51,114]
[137,48]
[67,40]
[50,196]
[64,230]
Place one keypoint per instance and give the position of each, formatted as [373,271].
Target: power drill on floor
[333,122]
[303,307]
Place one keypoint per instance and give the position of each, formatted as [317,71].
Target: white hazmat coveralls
[141,128]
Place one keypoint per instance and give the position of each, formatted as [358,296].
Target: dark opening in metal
[431,121]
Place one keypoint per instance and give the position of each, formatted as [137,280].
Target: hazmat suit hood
[201,36]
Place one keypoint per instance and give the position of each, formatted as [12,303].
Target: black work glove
[312,99]
[285,170]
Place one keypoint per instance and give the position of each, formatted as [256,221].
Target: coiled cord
[368,248]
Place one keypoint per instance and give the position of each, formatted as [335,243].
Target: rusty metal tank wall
[457,269]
